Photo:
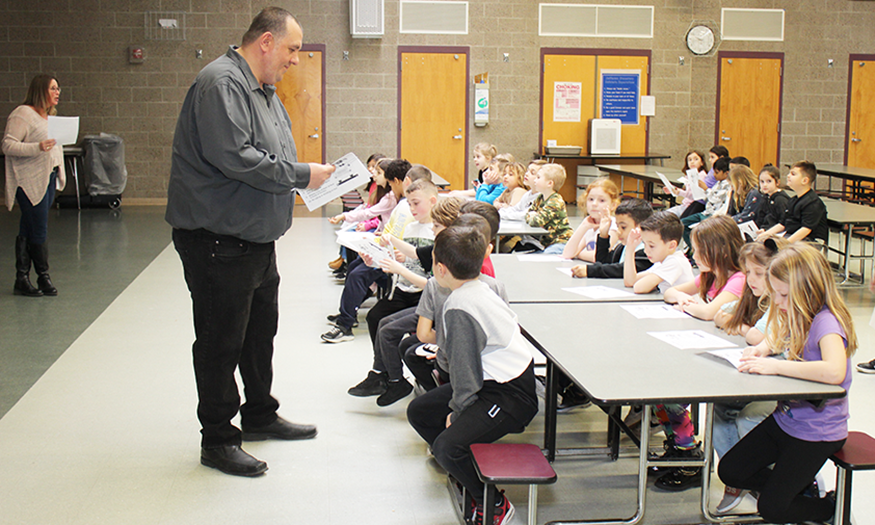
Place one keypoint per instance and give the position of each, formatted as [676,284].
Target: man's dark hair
[666,224]
[740,160]
[419,172]
[638,209]
[721,164]
[485,210]
[271,20]
[461,249]
[396,170]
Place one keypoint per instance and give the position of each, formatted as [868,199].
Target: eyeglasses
[55,89]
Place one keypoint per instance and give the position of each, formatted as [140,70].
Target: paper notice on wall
[348,175]
[566,101]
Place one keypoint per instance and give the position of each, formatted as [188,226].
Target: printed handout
[654,311]
[689,339]
[348,175]
[364,243]
[599,292]
[65,130]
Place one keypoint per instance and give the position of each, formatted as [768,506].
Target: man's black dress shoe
[279,429]
[232,459]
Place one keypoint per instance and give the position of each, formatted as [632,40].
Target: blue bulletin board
[620,94]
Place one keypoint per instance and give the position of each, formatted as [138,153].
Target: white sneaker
[731,498]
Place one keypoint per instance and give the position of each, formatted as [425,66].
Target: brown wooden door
[433,93]
[301,93]
[749,106]
[860,146]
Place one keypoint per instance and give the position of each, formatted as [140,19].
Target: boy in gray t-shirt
[491,391]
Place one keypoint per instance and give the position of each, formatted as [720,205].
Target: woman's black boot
[23,285]
[39,253]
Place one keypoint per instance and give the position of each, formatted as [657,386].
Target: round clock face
[700,40]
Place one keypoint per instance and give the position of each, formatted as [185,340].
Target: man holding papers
[231,193]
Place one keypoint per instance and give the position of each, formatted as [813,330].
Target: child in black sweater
[609,262]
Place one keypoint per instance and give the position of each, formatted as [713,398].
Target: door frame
[320,48]
[851,59]
[750,54]
[586,52]
[461,50]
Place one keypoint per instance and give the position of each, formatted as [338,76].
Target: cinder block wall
[84,43]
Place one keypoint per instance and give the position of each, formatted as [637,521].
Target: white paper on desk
[749,228]
[599,292]
[566,271]
[667,184]
[693,184]
[65,130]
[654,311]
[537,257]
[349,174]
[689,339]
[364,243]
[733,355]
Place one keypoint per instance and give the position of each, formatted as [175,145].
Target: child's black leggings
[796,463]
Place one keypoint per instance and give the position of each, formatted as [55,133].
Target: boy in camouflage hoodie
[548,210]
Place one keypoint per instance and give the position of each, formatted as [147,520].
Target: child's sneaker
[338,334]
[373,385]
[867,367]
[502,515]
[731,498]
[395,390]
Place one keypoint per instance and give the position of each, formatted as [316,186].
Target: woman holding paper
[34,170]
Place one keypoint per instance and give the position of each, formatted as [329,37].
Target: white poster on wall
[566,101]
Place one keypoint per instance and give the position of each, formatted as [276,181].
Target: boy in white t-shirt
[661,234]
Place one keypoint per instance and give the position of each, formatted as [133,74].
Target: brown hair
[808,169]
[666,224]
[718,241]
[271,20]
[38,93]
[701,157]
[774,173]
[751,308]
[607,185]
[519,173]
[461,249]
[425,186]
[743,180]
[446,210]
[485,210]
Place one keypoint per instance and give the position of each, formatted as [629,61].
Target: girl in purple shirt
[813,328]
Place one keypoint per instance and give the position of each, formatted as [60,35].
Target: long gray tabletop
[845,216]
[610,354]
[537,280]
[642,173]
[855,176]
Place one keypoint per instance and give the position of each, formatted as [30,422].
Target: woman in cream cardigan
[34,170]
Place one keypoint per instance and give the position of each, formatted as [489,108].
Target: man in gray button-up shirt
[231,195]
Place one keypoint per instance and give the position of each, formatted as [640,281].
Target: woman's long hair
[38,93]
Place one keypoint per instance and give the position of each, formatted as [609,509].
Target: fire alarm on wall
[136,55]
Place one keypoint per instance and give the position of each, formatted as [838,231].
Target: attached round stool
[857,454]
[511,464]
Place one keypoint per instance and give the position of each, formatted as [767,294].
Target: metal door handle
[314,136]
[856,140]
[457,137]
[725,138]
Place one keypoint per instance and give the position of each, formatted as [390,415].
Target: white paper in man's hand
[348,175]
[65,130]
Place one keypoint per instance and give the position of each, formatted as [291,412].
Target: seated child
[548,210]
[491,187]
[745,317]
[514,183]
[661,234]
[715,199]
[746,198]
[403,291]
[492,382]
[600,200]
[518,211]
[810,324]
[360,276]
[805,216]
[696,161]
[386,378]
[610,263]
[716,241]
[775,199]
